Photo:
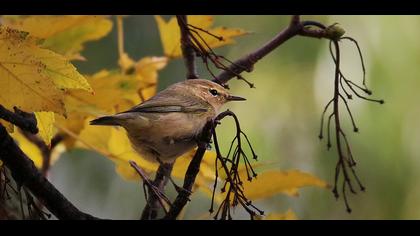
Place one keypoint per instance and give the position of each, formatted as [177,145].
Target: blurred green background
[282,116]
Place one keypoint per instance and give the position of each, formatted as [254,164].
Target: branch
[46,150]
[246,63]
[187,49]
[192,172]
[164,171]
[194,166]
[346,164]
[161,179]
[26,174]
[233,184]
[25,121]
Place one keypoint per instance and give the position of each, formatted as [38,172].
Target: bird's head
[215,94]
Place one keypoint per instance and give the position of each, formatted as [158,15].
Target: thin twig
[233,185]
[186,46]
[46,150]
[246,63]
[154,191]
[192,172]
[151,209]
[26,174]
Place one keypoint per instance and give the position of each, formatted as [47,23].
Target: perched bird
[166,126]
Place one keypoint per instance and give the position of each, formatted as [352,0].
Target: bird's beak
[235,98]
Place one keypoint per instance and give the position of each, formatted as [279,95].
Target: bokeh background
[282,116]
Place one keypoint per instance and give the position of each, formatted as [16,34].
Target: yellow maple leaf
[63,34]
[33,152]
[170,34]
[224,32]
[30,76]
[22,82]
[74,122]
[242,169]
[97,137]
[117,91]
[125,62]
[45,122]
[273,182]
[63,73]
[267,184]
[113,92]
[147,73]
[207,172]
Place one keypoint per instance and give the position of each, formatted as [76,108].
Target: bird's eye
[213,92]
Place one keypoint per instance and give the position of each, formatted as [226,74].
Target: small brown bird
[165,126]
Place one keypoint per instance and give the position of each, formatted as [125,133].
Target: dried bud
[334,32]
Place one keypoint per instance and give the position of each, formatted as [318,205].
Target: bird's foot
[149,183]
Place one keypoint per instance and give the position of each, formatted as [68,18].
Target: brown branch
[246,63]
[187,49]
[26,174]
[153,190]
[346,164]
[192,172]
[23,120]
[161,179]
[233,184]
[194,166]
[46,150]
[164,171]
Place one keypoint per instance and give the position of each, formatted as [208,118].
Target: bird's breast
[167,136]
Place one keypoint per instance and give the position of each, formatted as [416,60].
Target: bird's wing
[177,103]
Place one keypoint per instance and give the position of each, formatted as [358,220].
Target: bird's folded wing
[167,108]
[171,104]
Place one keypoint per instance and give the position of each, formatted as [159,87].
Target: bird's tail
[105,120]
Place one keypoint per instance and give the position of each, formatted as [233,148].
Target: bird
[167,125]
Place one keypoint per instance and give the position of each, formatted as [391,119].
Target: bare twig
[186,46]
[156,192]
[161,179]
[192,172]
[25,174]
[295,28]
[46,150]
[164,171]
[197,44]
[233,185]
[346,163]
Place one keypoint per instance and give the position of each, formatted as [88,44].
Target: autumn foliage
[37,75]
